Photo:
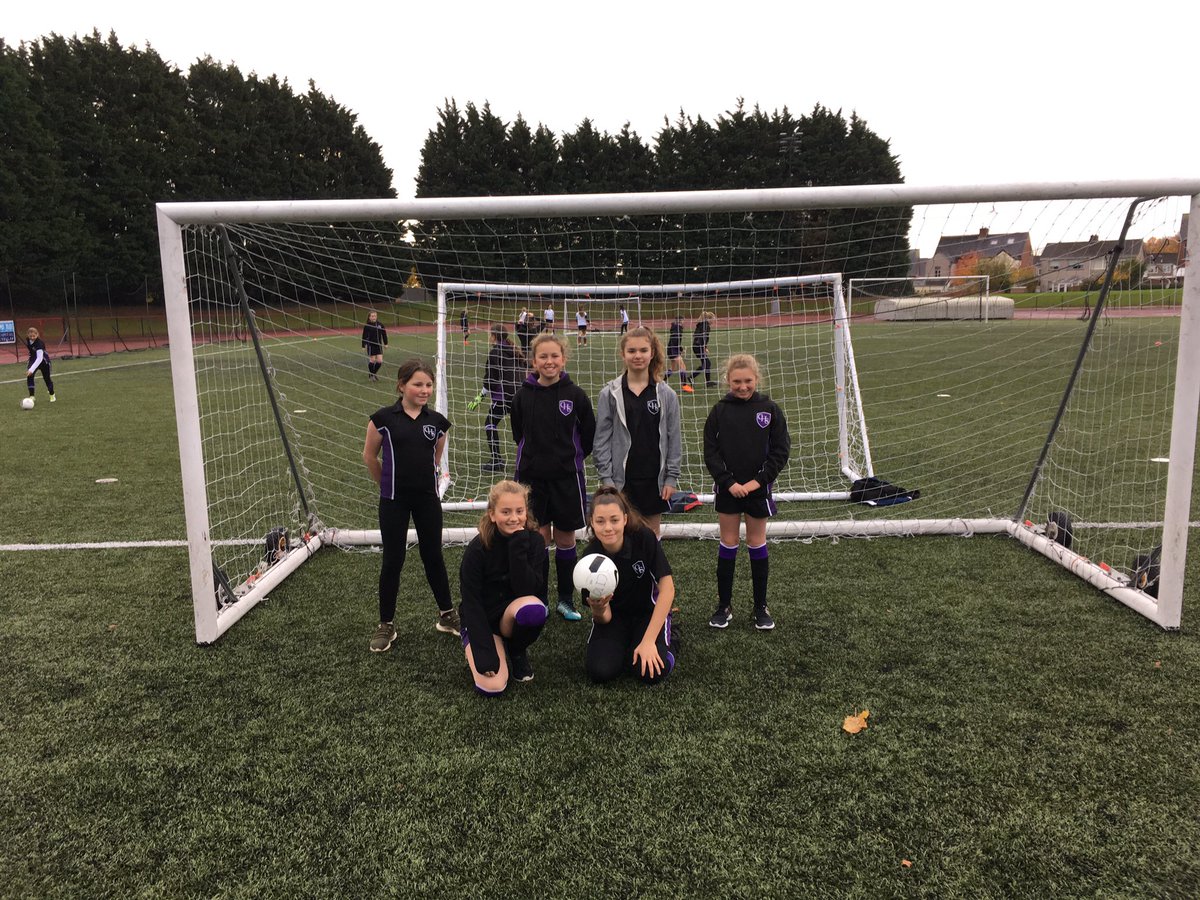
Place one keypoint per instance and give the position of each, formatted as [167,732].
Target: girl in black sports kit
[553,426]
[409,437]
[39,361]
[631,628]
[374,339]
[746,446]
[503,584]
[503,374]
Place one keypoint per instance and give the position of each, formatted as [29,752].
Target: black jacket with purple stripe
[553,427]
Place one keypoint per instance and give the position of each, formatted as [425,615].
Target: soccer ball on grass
[27,403]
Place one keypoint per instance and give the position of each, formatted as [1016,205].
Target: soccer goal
[796,324]
[1068,425]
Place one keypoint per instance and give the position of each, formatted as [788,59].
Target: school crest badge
[639,568]
[763,419]
[653,407]
[430,432]
[566,406]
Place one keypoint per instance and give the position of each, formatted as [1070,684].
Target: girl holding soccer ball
[403,446]
[631,628]
[746,446]
[503,584]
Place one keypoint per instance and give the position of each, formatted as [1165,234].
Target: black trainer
[721,618]
[762,619]
[518,664]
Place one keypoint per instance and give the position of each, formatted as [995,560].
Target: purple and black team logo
[430,432]
[565,407]
[763,419]
[652,407]
[639,568]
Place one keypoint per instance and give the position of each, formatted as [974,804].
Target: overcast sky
[966,92]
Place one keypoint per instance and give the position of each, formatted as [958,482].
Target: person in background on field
[502,581]
[700,337]
[39,361]
[746,446]
[465,321]
[631,628]
[404,444]
[502,376]
[675,363]
[524,330]
[548,319]
[374,339]
[553,426]
[639,447]
[624,319]
[581,325]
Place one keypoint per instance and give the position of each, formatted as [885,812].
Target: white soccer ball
[27,403]
[596,574]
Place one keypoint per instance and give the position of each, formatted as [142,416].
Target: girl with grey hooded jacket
[638,447]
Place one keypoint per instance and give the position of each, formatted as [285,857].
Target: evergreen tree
[39,231]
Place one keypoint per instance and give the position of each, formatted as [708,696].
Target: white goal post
[1077,440]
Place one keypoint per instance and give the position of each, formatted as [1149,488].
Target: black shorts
[758,505]
[674,353]
[559,501]
[582,329]
[645,496]
[374,349]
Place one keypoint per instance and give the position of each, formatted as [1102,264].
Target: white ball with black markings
[596,574]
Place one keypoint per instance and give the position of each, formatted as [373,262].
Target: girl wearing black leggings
[404,444]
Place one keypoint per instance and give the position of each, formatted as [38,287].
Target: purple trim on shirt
[387,480]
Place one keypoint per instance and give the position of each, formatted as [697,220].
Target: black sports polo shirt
[409,463]
[641,563]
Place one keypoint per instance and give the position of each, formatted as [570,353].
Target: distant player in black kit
[409,437]
[465,321]
[503,583]
[675,361]
[39,360]
[700,338]
[374,339]
[503,374]
[554,426]
[631,628]
[746,446]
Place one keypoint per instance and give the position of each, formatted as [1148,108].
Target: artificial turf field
[1028,736]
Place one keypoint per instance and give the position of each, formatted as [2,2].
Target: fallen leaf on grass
[907,863]
[112,627]
[1158,664]
[856,723]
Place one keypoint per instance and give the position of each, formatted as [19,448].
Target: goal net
[796,326]
[1068,423]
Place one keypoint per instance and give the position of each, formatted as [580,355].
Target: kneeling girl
[631,628]
[503,583]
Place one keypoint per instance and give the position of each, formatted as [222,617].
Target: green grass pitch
[1028,736]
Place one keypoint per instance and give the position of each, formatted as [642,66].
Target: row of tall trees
[472,152]
[97,133]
